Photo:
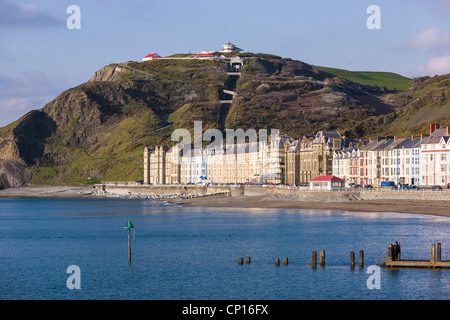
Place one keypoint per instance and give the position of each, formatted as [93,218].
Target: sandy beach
[47,192]
[431,207]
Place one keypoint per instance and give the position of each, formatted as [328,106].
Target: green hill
[391,81]
[97,131]
[430,103]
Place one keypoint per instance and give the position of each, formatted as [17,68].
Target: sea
[77,249]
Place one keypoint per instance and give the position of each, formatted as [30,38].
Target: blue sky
[40,57]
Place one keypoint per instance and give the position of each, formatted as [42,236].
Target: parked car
[368,186]
[356,186]
[436,188]
[413,187]
[388,184]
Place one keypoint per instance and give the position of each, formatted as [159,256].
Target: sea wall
[272,193]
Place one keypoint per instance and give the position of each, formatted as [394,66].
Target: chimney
[433,127]
[447,131]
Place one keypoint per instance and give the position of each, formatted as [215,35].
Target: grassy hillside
[430,104]
[98,130]
[391,81]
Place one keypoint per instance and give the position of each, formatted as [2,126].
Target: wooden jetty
[394,259]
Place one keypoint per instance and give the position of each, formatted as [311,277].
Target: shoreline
[427,207]
[47,192]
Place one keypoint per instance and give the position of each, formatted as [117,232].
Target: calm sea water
[192,253]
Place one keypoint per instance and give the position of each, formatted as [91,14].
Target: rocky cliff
[97,130]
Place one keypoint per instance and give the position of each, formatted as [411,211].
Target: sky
[42,54]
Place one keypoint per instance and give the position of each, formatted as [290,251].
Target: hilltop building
[203,55]
[151,56]
[229,47]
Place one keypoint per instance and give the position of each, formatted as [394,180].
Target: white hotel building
[435,158]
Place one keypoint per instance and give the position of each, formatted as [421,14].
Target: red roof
[327,178]
[153,55]
[203,54]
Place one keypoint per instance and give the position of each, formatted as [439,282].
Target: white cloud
[443,5]
[431,37]
[14,15]
[28,91]
[435,66]
[15,104]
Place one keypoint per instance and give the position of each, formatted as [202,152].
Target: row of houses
[420,161]
[261,162]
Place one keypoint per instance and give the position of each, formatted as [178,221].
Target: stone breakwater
[106,194]
[270,193]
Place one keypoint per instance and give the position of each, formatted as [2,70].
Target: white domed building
[229,47]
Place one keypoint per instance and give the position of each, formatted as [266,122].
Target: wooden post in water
[438,253]
[389,251]
[241,261]
[433,253]
[129,245]
[247,260]
[314,259]
[277,262]
[322,258]
[352,260]
[285,261]
[361,259]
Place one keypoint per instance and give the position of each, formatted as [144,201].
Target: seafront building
[341,163]
[418,161]
[316,156]
[435,157]
[261,162]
